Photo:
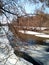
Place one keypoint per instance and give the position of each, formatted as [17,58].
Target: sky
[31,8]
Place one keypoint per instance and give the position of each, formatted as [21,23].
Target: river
[7,56]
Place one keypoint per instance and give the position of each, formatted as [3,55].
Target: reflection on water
[31,42]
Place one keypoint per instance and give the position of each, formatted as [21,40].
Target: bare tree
[11,7]
[15,8]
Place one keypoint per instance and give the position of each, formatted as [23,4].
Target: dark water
[47,49]
[27,57]
[31,42]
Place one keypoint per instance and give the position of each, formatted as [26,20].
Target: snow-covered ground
[31,27]
[35,33]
